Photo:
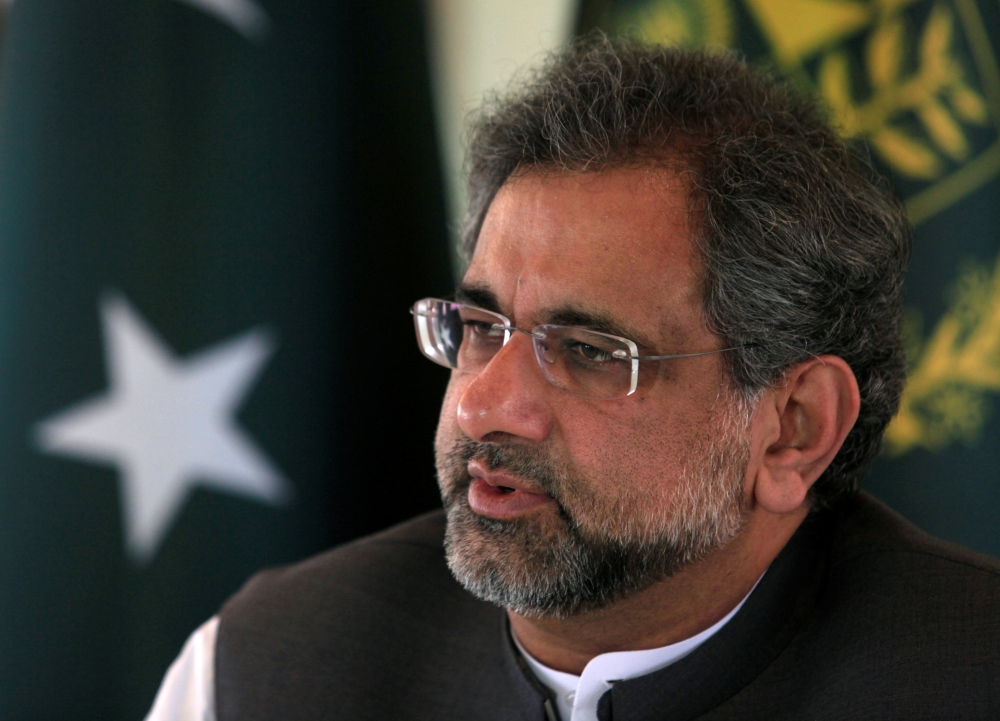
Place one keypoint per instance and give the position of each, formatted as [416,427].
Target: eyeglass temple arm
[684,355]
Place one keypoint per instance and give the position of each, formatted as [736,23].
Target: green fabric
[211,183]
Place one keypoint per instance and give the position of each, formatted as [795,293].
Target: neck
[669,611]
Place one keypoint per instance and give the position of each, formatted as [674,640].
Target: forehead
[615,243]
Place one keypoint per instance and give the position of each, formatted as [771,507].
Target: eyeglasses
[582,362]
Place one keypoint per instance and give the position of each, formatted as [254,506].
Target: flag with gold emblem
[919,82]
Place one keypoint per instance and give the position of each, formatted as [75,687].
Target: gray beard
[564,567]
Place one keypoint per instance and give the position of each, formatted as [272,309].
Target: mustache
[524,462]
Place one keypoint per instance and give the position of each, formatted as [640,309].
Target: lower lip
[493,502]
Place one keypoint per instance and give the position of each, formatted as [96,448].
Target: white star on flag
[167,424]
[246,17]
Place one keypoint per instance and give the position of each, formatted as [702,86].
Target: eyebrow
[479,296]
[600,322]
[482,297]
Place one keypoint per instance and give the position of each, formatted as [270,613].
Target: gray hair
[803,243]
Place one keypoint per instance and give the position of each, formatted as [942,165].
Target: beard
[595,550]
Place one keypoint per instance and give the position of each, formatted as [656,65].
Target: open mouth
[503,501]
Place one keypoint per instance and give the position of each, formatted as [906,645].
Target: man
[674,350]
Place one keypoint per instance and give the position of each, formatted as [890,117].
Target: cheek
[635,462]
[447,430]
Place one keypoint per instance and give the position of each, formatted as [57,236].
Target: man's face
[559,504]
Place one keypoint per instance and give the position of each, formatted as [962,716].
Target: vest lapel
[535,700]
[745,646]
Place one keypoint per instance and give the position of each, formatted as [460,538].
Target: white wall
[476,45]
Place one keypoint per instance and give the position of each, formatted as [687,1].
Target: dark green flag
[919,81]
[214,215]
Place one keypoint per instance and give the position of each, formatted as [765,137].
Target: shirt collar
[603,671]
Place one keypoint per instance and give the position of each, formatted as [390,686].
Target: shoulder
[896,585]
[868,535]
[335,631]
[903,612]
[904,625]
[375,629]
[387,597]
[388,573]
[386,557]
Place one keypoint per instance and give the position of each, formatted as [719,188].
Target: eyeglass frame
[535,336]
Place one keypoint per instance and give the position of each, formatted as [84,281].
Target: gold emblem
[894,73]
[687,23]
[945,398]
[798,29]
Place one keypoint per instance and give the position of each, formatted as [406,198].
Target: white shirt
[188,690]
[577,696]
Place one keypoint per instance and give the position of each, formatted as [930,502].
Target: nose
[508,397]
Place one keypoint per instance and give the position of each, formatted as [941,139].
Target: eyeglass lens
[587,364]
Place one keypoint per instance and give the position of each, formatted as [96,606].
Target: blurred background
[214,215]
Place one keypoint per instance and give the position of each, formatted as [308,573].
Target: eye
[593,353]
[484,328]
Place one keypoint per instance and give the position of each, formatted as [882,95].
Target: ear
[806,419]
